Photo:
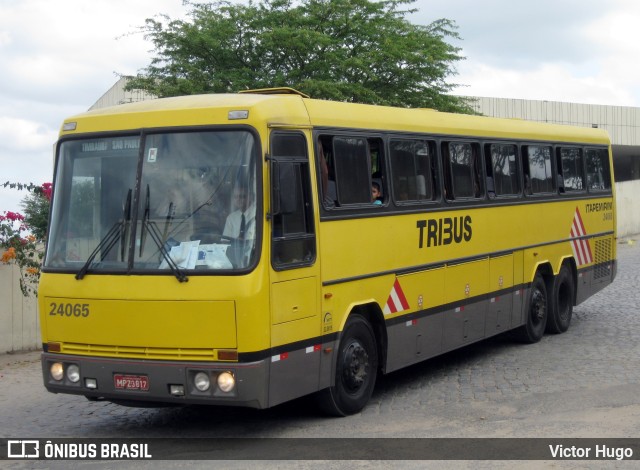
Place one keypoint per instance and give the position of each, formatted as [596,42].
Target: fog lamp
[226,381]
[73,373]
[202,381]
[57,371]
[91,383]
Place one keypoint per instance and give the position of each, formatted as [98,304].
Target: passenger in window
[376,194]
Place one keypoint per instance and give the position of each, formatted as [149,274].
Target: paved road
[584,383]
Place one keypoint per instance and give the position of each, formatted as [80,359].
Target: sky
[57,58]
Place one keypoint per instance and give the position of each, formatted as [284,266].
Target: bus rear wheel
[537,312]
[561,304]
[356,370]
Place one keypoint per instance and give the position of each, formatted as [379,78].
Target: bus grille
[139,352]
[603,258]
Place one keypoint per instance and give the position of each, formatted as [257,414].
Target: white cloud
[70,49]
[551,82]
[57,58]
[570,51]
[5,38]
[21,135]
[616,40]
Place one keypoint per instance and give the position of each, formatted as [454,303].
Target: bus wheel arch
[562,296]
[357,363]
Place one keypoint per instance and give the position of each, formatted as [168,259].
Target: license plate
[131,382]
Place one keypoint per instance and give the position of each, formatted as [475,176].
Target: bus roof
[287,107]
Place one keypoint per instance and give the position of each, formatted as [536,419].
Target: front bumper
[162,379]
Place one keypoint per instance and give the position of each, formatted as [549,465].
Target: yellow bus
[248,249]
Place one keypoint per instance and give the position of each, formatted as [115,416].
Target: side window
[412,170]
[462,170]
[378,178]
[503,170]
[293,232]
[539,178]
[353,170]
[598,172]
[570,169]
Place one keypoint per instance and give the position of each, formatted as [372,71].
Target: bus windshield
[163,201]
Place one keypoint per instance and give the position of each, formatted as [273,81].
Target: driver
[240,224]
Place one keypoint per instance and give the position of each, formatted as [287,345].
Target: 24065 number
[69,310]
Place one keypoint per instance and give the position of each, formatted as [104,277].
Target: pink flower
[14,216]
[46,190]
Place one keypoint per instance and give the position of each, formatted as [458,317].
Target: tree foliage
[346,50]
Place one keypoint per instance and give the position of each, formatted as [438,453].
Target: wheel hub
[538,306]
[355,366]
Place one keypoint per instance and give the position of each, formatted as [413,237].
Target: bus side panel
[500,303]
[415,337]
[412,341]
[466,323]
[517,314]
[294,373]
[583,285]
[295,362]
[601,273]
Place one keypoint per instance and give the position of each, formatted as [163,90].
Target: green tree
[346,50]
[36,211]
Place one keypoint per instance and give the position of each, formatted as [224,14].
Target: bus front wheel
[356,370]
[537,312]
[561,302]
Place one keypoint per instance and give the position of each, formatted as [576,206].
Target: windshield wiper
[120,230]
[111,238]
[107,242]
[124,229]
[145,218]
[158,240]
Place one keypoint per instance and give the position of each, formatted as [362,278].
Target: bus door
[295,274]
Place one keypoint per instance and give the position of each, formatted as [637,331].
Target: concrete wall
[622,122]
[19,321]
[628,208]
[116,95]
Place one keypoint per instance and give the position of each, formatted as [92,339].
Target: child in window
[376,194]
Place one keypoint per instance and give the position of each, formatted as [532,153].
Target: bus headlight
[73,373]
[202,381]
[226,381]
[57,371]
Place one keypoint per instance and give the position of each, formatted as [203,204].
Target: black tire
[561,302]
[537,312]
[356,370]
